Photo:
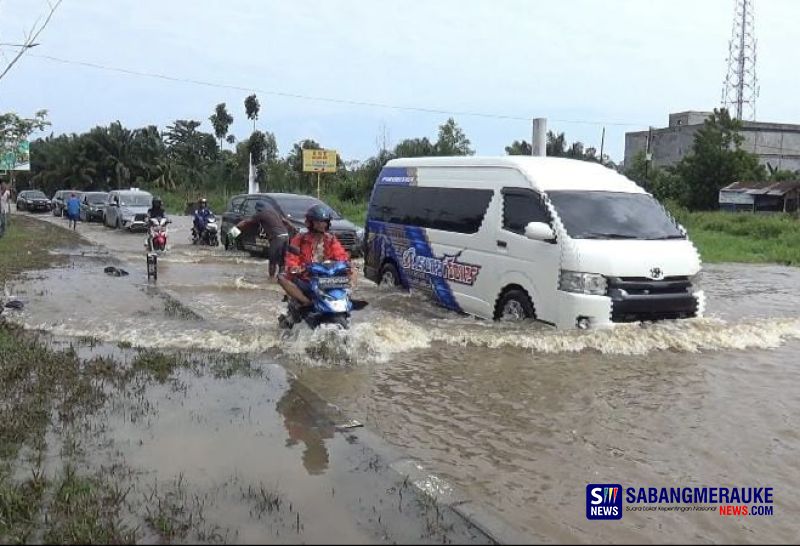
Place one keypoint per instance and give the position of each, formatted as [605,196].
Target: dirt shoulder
[27,243]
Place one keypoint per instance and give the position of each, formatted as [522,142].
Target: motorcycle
[330,298]
[157,234]
[209,236]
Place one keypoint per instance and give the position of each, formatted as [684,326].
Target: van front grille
[638,298]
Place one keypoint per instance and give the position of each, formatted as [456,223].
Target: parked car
[294,207]
[33,201]
[127,209]
[93,206]
[59,201]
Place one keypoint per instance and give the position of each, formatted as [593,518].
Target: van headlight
[591,284]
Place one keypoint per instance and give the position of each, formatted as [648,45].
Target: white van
[570,243]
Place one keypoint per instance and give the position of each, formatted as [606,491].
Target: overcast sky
[579,63]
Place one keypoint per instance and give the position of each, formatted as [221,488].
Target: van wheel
[513,306]
[389,275]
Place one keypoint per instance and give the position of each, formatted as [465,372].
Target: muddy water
[522,417]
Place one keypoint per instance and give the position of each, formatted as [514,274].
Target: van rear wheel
[389,275]
[513,306]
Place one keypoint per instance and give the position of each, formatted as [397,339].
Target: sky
[582,64]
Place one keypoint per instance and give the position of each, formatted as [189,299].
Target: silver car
[127,209]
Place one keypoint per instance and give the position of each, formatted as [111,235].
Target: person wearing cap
[277,228]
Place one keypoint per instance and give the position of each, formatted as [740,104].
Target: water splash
[363,343]
[638,339]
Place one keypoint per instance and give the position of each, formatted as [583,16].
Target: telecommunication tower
[740,89]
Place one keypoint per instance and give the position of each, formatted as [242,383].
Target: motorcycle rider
[156,209]
[201,215]
[277,227]
[316,245]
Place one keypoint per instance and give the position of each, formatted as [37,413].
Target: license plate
[334,282]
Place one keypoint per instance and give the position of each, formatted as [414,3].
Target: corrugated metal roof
[764,187]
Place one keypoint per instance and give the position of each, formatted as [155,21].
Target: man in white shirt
[5,207]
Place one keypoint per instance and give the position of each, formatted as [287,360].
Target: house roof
[764,187]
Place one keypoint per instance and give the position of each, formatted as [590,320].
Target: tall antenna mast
[740,89]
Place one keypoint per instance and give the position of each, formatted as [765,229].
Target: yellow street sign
[319,161]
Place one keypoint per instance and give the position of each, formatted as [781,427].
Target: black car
[93,205]
[33,201]
[294,207]
[59,201]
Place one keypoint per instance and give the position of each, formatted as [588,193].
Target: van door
[537,261]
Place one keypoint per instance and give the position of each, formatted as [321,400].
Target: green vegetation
[22,248]
[181,163]
[87,510]
[743,237]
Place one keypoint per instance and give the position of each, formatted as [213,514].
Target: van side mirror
[539,231]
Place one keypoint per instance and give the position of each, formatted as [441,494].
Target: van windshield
[613,215]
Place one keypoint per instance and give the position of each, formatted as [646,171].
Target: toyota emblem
[656,273]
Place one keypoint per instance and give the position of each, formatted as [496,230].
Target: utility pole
[602,144]
[648,156]
[539,137]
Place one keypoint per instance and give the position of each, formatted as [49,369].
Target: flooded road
[522,417]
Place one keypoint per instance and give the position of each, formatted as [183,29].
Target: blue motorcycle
[330,298]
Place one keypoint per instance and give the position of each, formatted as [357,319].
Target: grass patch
[743,237]
[159,366]
[37,381]
[173,513]
[354,211]
[26,245]
[177,202]
[19,507]
[87,510]
[224,366]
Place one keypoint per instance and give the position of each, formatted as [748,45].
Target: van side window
[458,210]
[520,207]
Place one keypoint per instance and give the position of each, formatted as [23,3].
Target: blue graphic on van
[399,176]
[394,243]
[447,267]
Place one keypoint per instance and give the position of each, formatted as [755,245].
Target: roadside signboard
[16,158]
[319,161]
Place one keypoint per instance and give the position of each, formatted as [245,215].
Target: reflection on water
[304,424]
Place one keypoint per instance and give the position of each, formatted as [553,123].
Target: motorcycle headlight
[590,284]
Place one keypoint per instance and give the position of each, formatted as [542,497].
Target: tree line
[183,160]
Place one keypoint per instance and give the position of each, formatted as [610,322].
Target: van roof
[548,173]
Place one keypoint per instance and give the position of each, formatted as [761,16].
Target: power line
[322,99]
